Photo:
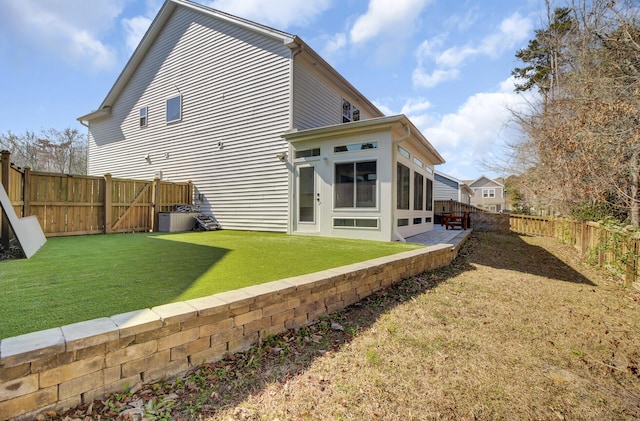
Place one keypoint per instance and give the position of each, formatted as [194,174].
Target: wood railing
[79,204]
[441,207]
[605,246]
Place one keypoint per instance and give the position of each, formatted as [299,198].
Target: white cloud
[334,45]
[429,80]
[135,28]
[476,131]
[69,28]
[434,66]
[512,30]
[414,105]
[281,14]
[386,110]
[390,17]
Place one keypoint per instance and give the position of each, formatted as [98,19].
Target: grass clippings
[516,328]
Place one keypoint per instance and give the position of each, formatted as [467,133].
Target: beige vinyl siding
[317,100]
[235,90]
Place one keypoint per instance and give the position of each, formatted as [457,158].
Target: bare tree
[51,151]
[582,141]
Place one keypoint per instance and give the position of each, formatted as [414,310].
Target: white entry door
[308,199]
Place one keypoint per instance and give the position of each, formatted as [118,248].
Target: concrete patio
[440,235]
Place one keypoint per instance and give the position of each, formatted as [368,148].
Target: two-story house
[489,194]
[272,136]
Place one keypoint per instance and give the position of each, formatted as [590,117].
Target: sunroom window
[355,184]
[403,174]
[418,191]
[429,194]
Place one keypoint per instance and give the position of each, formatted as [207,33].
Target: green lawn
[72,279]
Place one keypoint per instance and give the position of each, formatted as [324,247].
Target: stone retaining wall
[490,221]
[63,367]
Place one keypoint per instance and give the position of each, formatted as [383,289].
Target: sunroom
[369,179]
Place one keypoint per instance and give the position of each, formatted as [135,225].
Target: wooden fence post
[156,205]
[632,263]
[583,239]
[4,175]
[26,192]
[190,194]
[107,203]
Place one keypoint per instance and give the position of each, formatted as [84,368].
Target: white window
[144,112]
[488,193]
[355,147]
[404,152]
[355,222]
[308,153]
[349,112]
[402,179]
[355,185]
[174,109]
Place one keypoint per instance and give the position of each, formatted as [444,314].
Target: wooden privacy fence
[79,204]
[612,248]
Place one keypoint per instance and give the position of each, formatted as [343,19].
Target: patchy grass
[515,328]
[73,279]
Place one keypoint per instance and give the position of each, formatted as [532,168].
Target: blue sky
[445,64]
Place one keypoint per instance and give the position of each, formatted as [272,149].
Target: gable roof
[293,42]
[483,177]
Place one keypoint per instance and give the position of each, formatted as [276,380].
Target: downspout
[294,52]
[394,196]
[86,149]
[295,48]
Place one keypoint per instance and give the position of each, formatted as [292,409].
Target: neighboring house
[489,194]
[273,138]
[446,187]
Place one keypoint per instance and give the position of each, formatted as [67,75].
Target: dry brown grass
[516,328]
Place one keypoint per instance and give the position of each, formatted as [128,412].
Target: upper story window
[418,162]
[174,109]
[144,112]
[489,193]
[349,112]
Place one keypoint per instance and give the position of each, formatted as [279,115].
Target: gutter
[405,136]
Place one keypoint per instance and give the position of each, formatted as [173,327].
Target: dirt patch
[516,328]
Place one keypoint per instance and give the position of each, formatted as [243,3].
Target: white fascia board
[94,115]
[323,132]
[436,157]
[363,126]
[152,33]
